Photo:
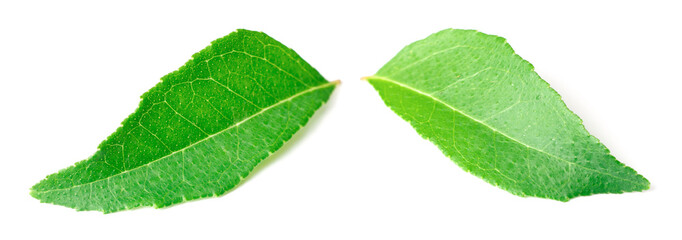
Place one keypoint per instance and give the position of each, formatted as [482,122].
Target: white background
[70,72]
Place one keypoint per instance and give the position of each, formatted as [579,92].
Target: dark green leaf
[200,131]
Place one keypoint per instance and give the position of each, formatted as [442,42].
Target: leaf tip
[34,194]
[645,183]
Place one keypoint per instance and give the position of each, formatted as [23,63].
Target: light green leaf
[200,131]
[487,110]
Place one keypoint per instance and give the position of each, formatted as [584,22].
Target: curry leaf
[200,131]
[487,110]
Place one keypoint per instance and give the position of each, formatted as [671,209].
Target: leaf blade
[472,76]
[228,131]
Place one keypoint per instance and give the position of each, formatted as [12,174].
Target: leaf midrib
[386,79]
[312,89]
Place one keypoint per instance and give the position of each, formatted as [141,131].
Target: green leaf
[200,131]
[488,111]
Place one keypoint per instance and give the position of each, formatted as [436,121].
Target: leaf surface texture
[200,131]
[488,110]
